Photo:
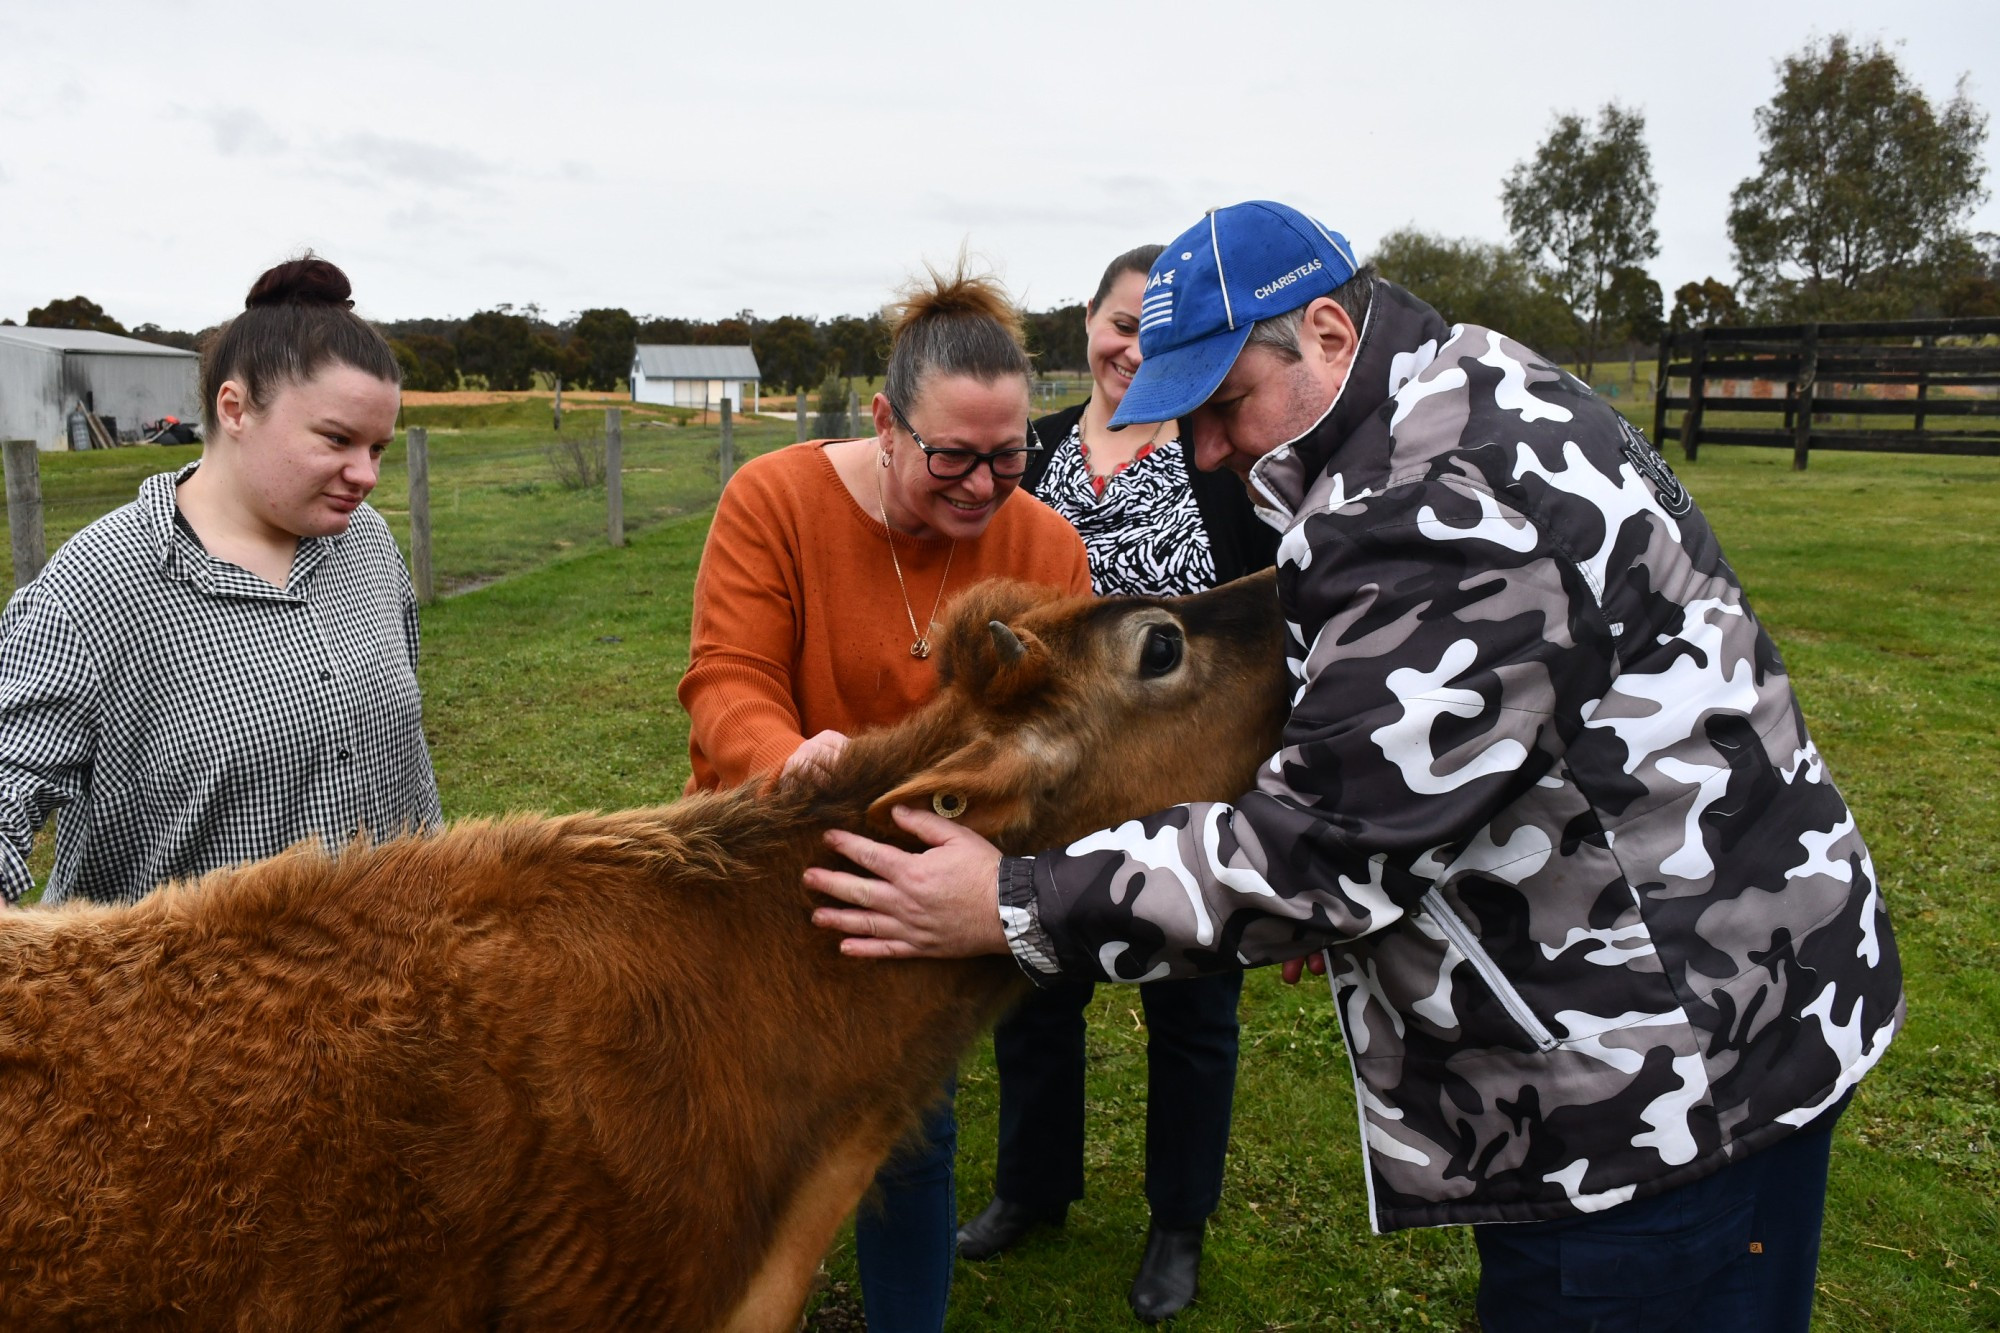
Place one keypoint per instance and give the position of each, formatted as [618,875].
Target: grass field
[1880,580]
[498,505]
[1879,576]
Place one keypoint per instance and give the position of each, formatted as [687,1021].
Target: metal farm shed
[45,373]
[688,375]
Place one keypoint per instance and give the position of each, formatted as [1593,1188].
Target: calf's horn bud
[1007,643]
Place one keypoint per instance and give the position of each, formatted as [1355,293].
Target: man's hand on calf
[940,903]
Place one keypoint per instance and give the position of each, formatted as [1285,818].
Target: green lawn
[1879,576]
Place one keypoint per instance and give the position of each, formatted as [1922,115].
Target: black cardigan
[1240,542]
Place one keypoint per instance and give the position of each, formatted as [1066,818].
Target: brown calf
[592,1072]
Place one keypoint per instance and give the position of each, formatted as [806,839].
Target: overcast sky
[802,158]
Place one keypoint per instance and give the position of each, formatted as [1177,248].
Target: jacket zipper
[1503,990]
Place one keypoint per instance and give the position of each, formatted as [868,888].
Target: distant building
[46,373]
[687,375]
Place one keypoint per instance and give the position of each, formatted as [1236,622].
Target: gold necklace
[922,646]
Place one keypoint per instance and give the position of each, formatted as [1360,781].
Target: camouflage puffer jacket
[1599,921]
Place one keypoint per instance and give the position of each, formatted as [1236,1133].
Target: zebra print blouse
[1144,535]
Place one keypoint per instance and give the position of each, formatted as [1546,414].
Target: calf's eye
[1162,652]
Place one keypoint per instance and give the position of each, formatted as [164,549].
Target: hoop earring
[882,457]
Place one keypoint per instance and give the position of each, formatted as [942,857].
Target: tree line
[1857,211]
[510,348]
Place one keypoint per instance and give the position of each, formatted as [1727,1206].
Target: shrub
[832,422]
[577,460]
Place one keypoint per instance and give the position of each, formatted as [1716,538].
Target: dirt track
[474,397]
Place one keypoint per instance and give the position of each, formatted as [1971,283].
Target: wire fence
[508,489]
[845,411]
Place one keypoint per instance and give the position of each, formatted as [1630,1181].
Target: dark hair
[956,323]
[1280,333]
[1138,261]
[297,320]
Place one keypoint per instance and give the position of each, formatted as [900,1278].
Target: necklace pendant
[921,648]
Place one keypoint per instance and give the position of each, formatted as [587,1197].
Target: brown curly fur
[537,1073]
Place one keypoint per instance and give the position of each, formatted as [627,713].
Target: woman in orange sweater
[819,589]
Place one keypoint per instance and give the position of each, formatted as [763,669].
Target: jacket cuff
[1032,947]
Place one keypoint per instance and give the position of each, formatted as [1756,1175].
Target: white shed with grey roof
[688,375]
[46,373]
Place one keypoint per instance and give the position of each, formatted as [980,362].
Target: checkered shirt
[186,715]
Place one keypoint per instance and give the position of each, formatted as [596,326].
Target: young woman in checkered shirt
[227,665]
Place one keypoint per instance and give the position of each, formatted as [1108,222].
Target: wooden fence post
[614,475]
[420,516]
[853,415]
[802,414]
[725,453]
[1660,392]
[1924,379]
[24,509]
[1691,419]
[1808,372]
[558,402]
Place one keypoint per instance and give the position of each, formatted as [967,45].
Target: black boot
[1001,1225]
[1168,1275]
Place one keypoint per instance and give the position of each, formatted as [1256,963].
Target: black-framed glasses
[952,464]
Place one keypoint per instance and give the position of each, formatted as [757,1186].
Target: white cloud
[783,156]
[240,130]
[413,160]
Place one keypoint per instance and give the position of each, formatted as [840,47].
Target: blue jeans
[1734,1252]
[906,1244]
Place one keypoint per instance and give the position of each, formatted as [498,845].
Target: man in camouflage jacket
[1599,921]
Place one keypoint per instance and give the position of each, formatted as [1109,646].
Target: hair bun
[307,280]
[955,293]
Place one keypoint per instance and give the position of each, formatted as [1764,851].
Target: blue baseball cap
[1238,265]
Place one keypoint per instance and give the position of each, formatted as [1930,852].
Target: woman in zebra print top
[1152,524]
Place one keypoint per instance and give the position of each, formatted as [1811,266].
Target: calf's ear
[985,786]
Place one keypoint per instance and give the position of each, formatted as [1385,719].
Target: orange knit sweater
[799,626]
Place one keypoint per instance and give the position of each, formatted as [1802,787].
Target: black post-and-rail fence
[1920,386]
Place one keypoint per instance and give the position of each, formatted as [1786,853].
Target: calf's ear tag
[949,804]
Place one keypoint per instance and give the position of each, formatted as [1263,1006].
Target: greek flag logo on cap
[1156,307]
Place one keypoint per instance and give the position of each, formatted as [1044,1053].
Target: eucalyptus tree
[1862,188]
[1477,282]
[1582,208]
